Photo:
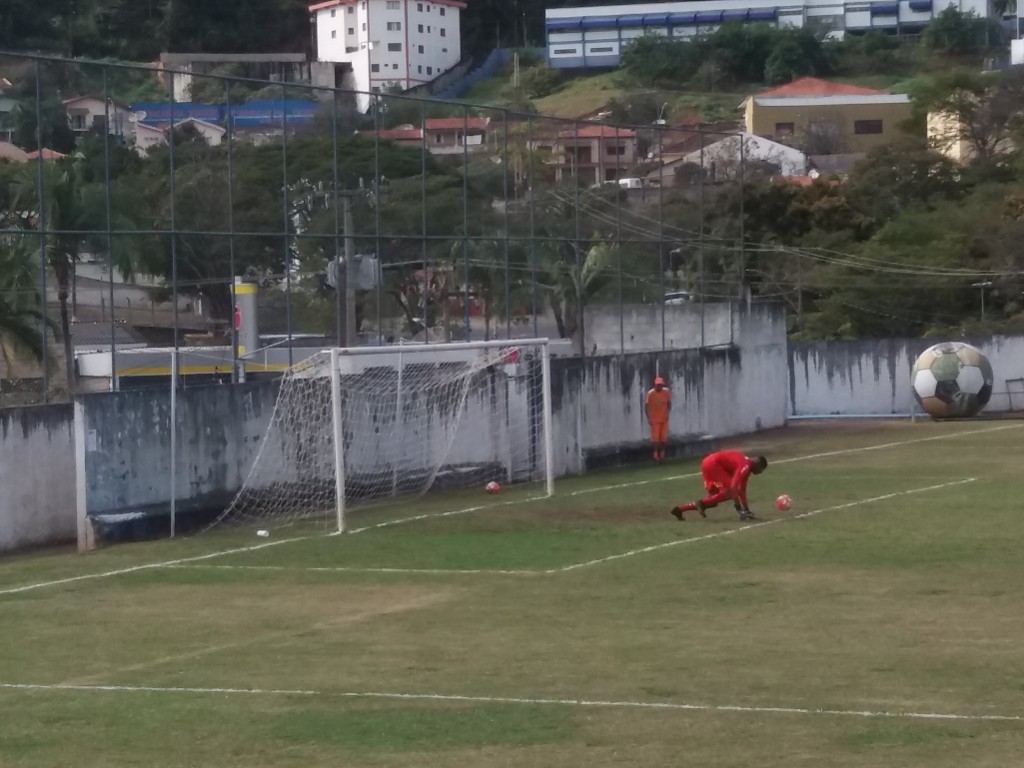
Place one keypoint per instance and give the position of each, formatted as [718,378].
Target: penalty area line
[762,524]
[575,702]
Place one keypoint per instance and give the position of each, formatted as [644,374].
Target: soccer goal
[362,425]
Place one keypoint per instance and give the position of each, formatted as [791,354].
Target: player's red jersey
[726,474]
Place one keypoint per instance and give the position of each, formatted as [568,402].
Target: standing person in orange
[658,405]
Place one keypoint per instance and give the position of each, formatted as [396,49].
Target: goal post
[356,426]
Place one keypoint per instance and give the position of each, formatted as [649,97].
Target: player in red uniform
[725,476]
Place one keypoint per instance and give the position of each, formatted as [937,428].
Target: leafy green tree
[956,33]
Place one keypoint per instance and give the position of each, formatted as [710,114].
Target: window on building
[602,49]
[419,7]
[334,12]
[430,70]
[351,30]
[351,9]
[419,70]
[362,5]
[420,49]
[394,26]
[419,27]
[616,150]
[428,29]
[444,50]
[442,11]
[428,8]
[394,46]
[564,51]
[443,33]
[334,33]
[862,127]
[783,130]
[364,26]
[375,67]
[375,89]
[394,66]
[394,5]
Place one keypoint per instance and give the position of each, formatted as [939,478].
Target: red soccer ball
[784,502]
[492,487]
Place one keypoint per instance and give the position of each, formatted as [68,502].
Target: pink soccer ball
[492,487]
[784,502]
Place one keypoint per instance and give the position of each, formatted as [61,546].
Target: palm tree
[73,214]
[21,313]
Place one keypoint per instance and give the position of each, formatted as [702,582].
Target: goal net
[356,426]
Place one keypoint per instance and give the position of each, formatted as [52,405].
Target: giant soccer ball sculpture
[952,380]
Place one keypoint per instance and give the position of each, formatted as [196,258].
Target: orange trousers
[659,432]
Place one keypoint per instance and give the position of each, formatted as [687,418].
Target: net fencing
[413,419]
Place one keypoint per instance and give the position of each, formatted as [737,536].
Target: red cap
[659,380]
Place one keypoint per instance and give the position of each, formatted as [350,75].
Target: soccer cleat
[677,513]
[700,507]
[745,516]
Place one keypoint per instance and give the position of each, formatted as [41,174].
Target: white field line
[596,703]
[751,526]
[358,569]
[148,566]
[256,547]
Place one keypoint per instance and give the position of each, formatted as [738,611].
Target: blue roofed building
[595,36]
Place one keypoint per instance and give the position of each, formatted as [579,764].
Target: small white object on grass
[262,533]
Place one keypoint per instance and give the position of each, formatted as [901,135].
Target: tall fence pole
[504,187]
[378,239]
[661,229]
[700,234]
[44,329]
[423,220]
[533,223]
[338,305]
[465,219]
[174,441]
[109,222]
[287,221]
[231,230]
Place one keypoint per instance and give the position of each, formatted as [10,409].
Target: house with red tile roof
[447,135]
[594,153]
[821,117]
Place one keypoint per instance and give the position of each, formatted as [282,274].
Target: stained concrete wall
[638,327]
[128,444]
[873,377]
[37,476]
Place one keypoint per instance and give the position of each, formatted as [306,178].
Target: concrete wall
[873,377]
[637,328]
[37,476]
[128,443]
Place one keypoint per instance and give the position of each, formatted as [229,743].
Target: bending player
[725,476]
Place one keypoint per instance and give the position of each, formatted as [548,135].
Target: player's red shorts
[713,487]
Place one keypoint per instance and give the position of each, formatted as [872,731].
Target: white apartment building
[381,44]
[596,36]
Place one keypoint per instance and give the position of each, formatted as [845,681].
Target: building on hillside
[441,135]
[372,46]
[723,156]
[12,154]
[146,136]
[595,36]
[255,118]
[948,135]
[87,113]
[449,135]
[187,68]
[824,118]
[594,153]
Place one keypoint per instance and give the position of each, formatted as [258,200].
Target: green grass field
[878,623]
